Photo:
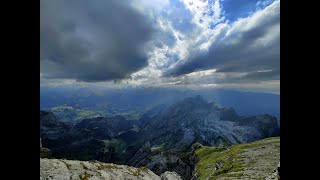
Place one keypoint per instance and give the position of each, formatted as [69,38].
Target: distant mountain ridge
[116,101]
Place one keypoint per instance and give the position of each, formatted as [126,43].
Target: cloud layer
[250,45]
[209,43]
[92,40]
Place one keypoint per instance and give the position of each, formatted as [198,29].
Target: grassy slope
[253,160]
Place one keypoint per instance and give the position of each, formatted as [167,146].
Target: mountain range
[161,139]
[75,103]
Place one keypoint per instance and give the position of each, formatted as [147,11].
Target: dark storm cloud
[249,45]
[92,40]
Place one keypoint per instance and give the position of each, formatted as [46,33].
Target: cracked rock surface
[85,170]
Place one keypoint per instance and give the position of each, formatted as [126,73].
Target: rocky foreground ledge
[60,169]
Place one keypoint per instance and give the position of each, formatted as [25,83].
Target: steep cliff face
[84,170]
[160,162]
[166,161]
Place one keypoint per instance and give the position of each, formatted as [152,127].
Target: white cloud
[248,44]
[185,43]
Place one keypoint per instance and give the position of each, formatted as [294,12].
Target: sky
[231,44]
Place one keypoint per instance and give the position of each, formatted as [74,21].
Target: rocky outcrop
[70,169]
[160,162]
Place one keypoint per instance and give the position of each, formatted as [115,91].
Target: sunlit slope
[255,160]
